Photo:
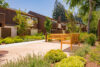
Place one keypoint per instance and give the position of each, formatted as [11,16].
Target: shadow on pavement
[2,54]
[74,48]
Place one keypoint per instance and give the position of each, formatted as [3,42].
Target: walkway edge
[17,44]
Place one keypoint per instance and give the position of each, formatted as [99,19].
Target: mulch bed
[89,63]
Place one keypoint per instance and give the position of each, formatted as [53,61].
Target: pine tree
[59,10]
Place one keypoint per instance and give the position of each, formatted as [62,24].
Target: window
[32,21]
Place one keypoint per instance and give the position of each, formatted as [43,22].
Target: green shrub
[37,37]
[35,61]
[8,40]
[0,41]
[18,40]
[83,37]
[72,61]
[82,51]
[88,38]
[91,39]
[55,56]
[32,38]
[28,38]
[38,34]
[17,37]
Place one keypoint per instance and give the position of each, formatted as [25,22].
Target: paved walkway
[14,51]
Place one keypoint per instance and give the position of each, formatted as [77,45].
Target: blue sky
[44,7]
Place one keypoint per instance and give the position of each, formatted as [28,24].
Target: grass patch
[82,51]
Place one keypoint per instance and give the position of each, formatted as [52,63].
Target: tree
[3,4]
[59,10]
[72,23]
[94,21]
[85,6]
[21,23]
[47,25]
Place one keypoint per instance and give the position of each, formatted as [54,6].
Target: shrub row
[17,39]
[88,38]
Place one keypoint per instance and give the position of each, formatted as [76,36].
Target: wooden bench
[57,36]
[74,38]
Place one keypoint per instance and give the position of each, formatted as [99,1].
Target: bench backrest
[58,35]
[74,37]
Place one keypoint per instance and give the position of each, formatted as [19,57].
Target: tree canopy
[85,7]
[3,4]
[59,11]
[94,21]
[72,22]
[21,21]
[48,25]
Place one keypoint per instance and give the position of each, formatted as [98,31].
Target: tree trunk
[90,16]
[46,37]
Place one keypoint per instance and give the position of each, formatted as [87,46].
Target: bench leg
[71,46]
[79,43]
[61,45]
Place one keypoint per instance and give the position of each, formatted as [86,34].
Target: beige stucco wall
[34,31]
[13,30]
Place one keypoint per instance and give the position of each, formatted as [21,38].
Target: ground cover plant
[55,56]
[72,61]
[83,51]
[95,55]
[28,61]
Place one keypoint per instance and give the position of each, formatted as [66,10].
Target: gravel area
[17,50]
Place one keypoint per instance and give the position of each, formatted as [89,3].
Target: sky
[43,7]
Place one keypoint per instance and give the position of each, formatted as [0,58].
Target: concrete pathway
[17,50]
